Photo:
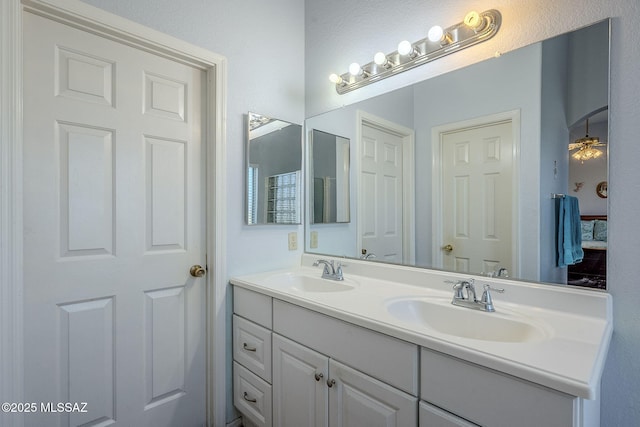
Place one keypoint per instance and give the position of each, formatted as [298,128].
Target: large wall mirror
[273,189]
[481,155]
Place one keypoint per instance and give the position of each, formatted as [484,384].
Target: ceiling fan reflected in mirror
[586,147]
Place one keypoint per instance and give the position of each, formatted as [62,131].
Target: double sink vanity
[339,341]
[386,346]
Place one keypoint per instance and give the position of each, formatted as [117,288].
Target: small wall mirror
[329,171]
[273,171]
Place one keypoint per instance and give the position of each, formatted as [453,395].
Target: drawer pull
[246,347]
[319,376]
[331,383]
[249,399]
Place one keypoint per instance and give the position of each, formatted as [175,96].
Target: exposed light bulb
[355,69]
[435,33]
[380,58]
[336,79]
[587,153]
[404,47]
[473,20]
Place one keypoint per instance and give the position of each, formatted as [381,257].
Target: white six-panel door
[113,221]
[381,181]
[477,174]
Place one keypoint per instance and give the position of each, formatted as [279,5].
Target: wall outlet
[313,244]
[293,241]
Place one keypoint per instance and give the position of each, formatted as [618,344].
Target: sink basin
[441,316]
[304,283]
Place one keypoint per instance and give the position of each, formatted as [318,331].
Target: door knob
[197,271]
[447,248]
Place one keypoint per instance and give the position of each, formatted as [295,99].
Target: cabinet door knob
[331,382]
[249,399]
[319,376]
[246,347]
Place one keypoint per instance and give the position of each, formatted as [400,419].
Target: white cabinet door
[252,347]
[357,400]
[299,385]
[432,416]
[252,396]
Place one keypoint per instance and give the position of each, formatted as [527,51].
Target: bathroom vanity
[385,346]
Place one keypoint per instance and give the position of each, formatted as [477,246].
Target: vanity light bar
[476,28]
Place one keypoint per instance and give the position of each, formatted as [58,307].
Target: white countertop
[576,323]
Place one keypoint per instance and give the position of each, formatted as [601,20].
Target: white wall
[340,32]
[588,63]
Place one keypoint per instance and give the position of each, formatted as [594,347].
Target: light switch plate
[313,244]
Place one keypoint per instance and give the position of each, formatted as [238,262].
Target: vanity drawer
[253,306]
[432,416]
[252,396]
[388,359]
[491,398]
[252,347]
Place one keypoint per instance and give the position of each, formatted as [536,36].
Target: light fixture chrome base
[458,37]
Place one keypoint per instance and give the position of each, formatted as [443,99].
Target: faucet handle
[486,297]
[487,287]
[460,282]
[328,266]
[459,286]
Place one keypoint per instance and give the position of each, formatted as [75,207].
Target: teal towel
[569,232]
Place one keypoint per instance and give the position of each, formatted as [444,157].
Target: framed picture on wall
[601,189]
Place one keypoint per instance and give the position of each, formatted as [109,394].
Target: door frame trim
[92,19]
[408,178]
[11,262]
[437,133]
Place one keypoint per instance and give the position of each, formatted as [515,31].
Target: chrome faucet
[366,255]
[330,271]
[485,303]
[499,272]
